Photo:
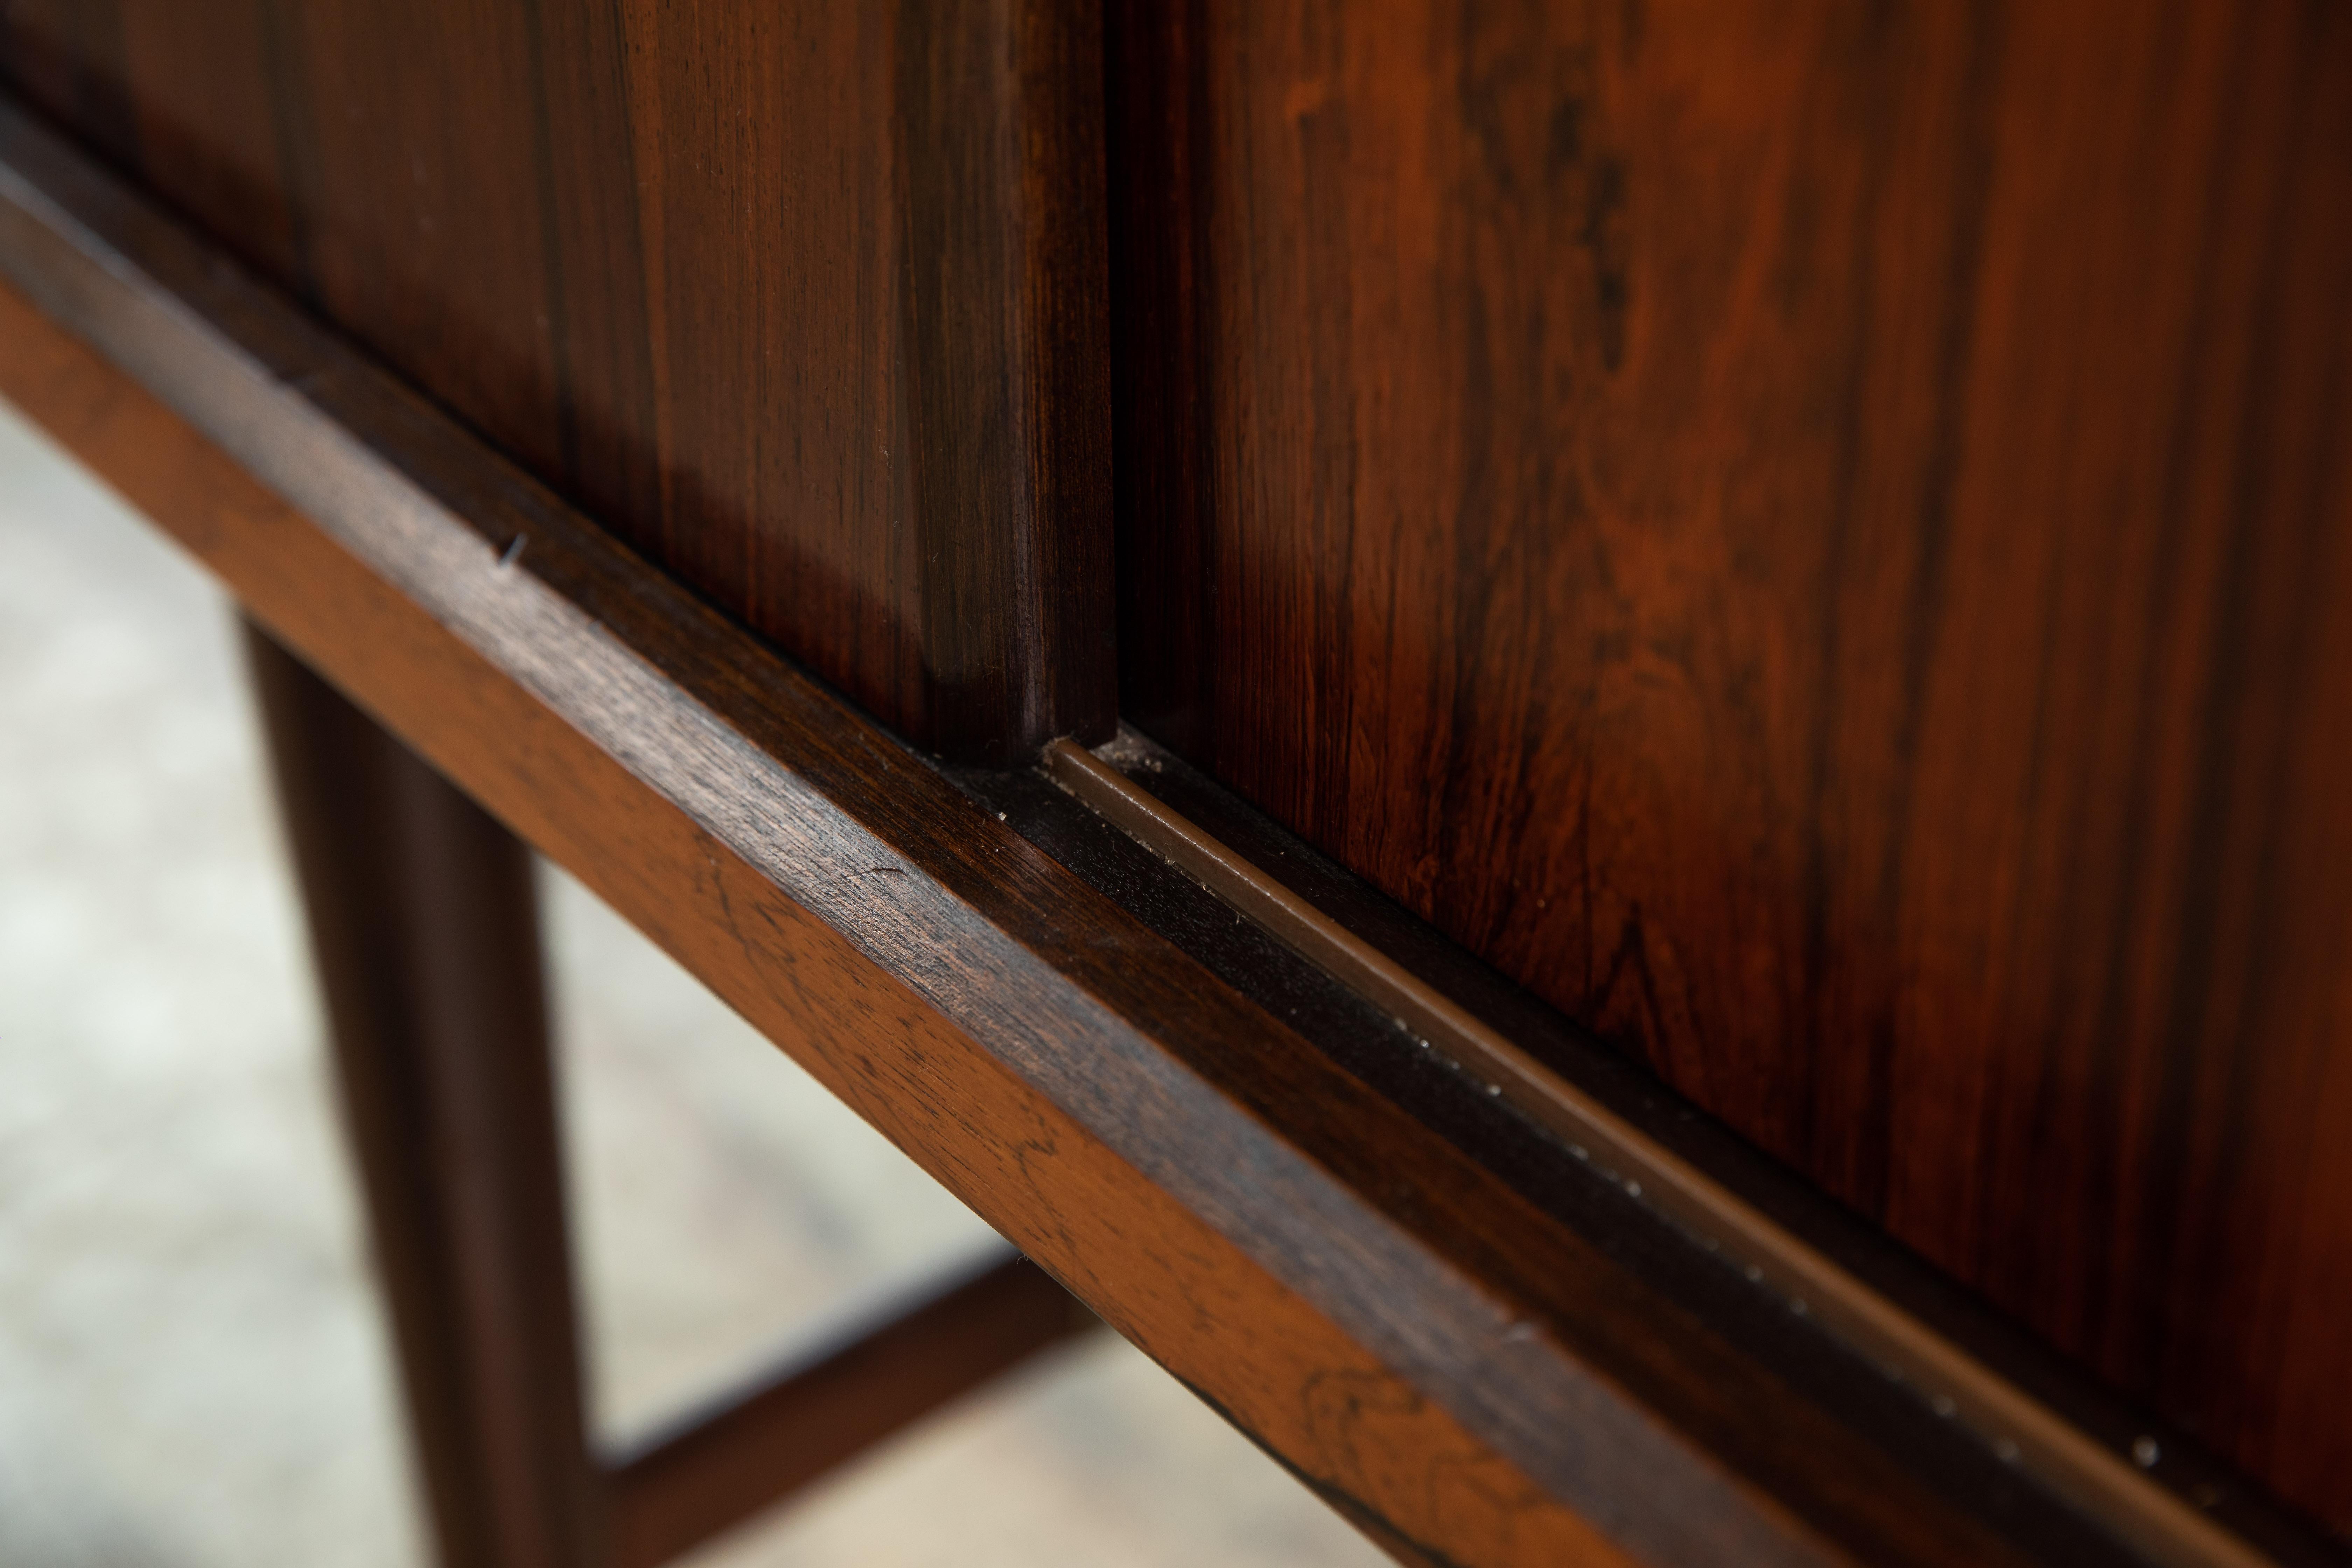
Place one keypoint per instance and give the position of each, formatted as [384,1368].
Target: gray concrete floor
[192,1371]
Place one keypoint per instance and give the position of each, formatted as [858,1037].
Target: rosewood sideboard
[1598,752]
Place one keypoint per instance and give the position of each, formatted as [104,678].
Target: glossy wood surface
[804,301]
[1698,468]
[425,925]
[1163,1277]
[1481,1349]
[1819,539]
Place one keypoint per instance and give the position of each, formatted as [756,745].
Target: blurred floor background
[192,1372]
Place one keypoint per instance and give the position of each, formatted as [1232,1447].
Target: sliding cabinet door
[1816,537]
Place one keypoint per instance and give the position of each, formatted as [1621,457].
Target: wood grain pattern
[807,302]
[1159,1271]
[1479,1346]
[1816,538]
[1155,1270]
[1477,1372]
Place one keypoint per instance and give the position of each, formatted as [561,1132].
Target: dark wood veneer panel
[806,301]
[1816,537]
[962,980]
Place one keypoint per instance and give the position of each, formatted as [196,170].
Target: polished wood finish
[807,302]
[726,1462]
[1485,1351]
[425,925]
[1816,539]
[424,920]
[1066,1073]
[1165,1276]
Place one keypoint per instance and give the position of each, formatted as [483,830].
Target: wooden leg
[740,1454]
[426,931]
